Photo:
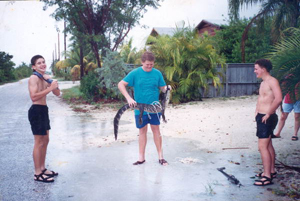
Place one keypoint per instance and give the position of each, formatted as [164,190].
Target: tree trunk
[96,53]
[245,35]
[81,61]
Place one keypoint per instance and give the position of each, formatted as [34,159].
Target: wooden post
[227,77]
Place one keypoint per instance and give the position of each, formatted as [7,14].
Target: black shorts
[264,130]
[39,119]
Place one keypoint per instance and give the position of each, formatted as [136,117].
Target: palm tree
[286,61]
[188,61]
[73,62]
[129,53]
[286,14]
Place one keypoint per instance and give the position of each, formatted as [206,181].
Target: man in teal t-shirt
[146,81]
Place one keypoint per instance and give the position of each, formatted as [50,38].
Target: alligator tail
[117,119]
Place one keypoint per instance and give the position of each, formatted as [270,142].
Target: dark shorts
[39,119]
[264,130]
[153,119]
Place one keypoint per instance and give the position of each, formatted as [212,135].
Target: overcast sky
[27,30]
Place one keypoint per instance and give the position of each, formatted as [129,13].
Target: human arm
[256,110]
[36,95]
[122,87]
[56,91]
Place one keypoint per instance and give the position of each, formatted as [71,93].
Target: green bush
[22,71]
[88,86]
[112,72]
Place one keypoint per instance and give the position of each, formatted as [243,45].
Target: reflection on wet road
[88,171]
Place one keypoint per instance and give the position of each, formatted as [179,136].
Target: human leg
[44,150]
[158,143]
[40,145]
[263,145]
[281,123]
[39,152]
[142,143]
[273,155]
[43,157]
[297,124]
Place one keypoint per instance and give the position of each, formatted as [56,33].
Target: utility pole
[55,51]
[65,37]
[58,46]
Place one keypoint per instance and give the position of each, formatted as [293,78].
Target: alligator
[155,107]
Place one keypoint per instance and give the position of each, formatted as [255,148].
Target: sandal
[139,162]
[43,178]
[49,175]
[259,174]
[273,175]
[163,162]
[294,138]
[263,182]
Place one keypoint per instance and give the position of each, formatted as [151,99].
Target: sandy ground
[217,125]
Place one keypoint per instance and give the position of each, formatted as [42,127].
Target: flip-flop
[294,138]
[139,162]
[52,174]
[162,161]
[263,182]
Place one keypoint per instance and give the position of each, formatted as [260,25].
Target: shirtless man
[269,99]
[39,118]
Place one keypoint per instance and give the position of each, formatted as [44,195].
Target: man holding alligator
[146,81]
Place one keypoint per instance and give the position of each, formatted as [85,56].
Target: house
[206,26]
[202,27]
[159,31]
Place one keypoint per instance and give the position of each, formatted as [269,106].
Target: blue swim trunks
[264,130]
[153,119]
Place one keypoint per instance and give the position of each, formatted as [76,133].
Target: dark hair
[264,63]
[34,58]
[148,56]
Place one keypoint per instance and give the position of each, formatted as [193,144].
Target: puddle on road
[82,130]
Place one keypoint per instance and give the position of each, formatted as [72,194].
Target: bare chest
[265,90]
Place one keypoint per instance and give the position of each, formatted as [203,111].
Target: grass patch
[72,94]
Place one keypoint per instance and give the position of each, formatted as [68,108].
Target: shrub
[111,73]
[88,86]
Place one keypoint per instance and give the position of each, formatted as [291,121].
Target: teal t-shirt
[145,84]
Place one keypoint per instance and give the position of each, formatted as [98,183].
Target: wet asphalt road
[106,173]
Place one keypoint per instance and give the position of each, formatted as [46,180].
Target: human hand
[54,85]
[265,118]
[131,102]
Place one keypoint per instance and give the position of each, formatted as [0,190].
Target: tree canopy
[101,23]
[6,67]
[285,56]
[285,14]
